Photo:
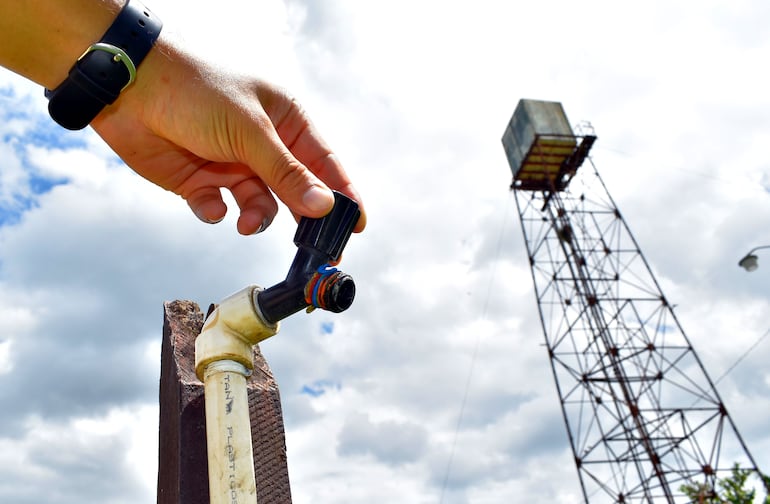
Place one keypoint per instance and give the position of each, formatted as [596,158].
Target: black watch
[105,69]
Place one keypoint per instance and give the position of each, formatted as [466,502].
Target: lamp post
[749,261]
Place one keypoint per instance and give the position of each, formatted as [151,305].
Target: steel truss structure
[642,415]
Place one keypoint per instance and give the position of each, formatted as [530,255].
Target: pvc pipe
[223,361]
[228,434]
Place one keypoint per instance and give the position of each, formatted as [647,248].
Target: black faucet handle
[329,234]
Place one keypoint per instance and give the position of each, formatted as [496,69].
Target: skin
[184,124]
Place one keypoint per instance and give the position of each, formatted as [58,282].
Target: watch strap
[105,68]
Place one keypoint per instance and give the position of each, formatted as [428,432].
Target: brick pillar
[182,464]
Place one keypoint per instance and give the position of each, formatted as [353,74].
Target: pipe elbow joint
[231,330]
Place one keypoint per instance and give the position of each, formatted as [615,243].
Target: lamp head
[749,263]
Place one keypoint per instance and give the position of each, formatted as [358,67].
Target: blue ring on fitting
[324,270]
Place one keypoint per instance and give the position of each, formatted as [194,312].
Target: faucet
[223,350]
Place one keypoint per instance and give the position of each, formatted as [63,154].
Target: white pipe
[223,360]
[231,459]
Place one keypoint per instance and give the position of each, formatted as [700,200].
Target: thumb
[290,180]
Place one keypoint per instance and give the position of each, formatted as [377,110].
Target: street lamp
[749,261]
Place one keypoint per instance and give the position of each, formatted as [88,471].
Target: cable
[475,352]
[743,356]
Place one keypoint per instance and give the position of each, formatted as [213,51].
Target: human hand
[194,129]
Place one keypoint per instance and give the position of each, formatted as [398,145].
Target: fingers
[296,145]
[330,170]
[258,208]
[207,204]
[203,194]
[303,192]
[292,180]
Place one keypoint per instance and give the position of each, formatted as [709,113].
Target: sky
[434,387]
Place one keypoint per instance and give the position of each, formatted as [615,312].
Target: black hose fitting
[311,280]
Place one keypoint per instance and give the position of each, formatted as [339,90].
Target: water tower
[642,415]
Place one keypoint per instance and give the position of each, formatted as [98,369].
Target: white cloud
[90,457]
[389,441]
[6,364]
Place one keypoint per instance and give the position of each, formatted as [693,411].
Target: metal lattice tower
[642,415]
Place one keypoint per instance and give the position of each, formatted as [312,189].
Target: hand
[192,129]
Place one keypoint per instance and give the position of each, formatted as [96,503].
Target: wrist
[106,68]
[42,38]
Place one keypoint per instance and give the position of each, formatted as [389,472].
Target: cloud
[87,456]
[388,441]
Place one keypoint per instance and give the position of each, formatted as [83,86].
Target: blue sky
[414,97]
[24,128]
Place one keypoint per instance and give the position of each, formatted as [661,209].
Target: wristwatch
[106,68]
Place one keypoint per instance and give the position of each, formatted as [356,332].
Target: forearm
[42,39]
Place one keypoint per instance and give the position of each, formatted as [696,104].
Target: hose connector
[312,281]
[330,290]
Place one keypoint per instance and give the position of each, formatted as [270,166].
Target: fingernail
[318,199]
[262,226]
[206,220]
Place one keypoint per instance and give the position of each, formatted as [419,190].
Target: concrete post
[183,466]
